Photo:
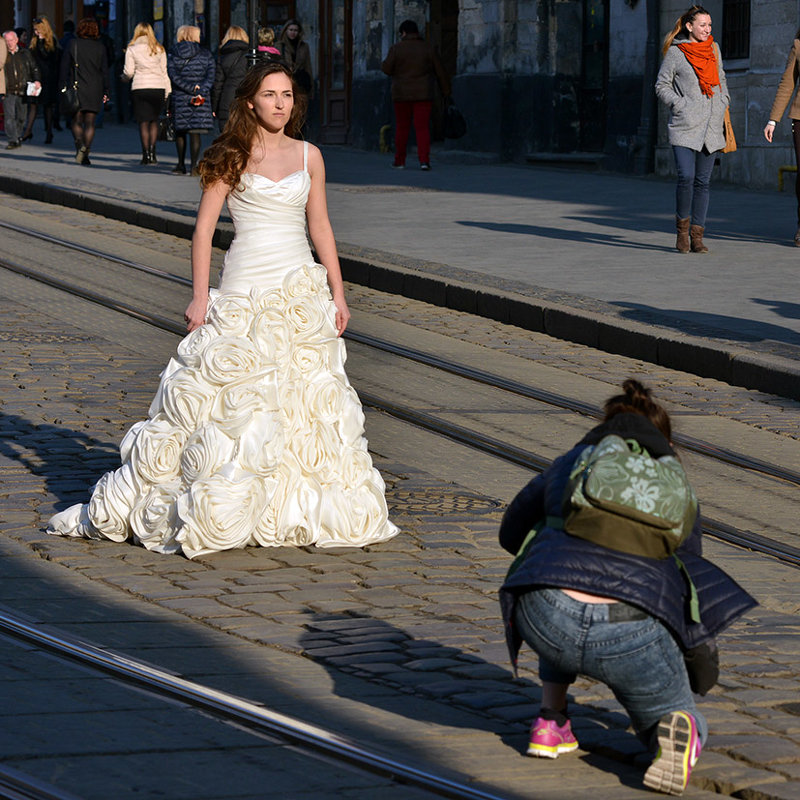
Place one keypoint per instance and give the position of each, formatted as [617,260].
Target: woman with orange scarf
[691,82]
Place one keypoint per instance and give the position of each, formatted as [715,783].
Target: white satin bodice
[269,219]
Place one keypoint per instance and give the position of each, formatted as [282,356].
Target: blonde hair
[48,38]
[188,33]
[235,33]
[680,25]
[146,30]
[266,36]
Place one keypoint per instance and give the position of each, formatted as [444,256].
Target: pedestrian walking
[47,55]
[3,59]
[412,64]
[20,71]
[191,72]
[255,436]
[786,89]
[692,84]
[266,46]
[146,68]
[231,69]
[297,55]
[85,60]
[583,594]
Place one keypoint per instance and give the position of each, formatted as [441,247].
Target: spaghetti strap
[305,156]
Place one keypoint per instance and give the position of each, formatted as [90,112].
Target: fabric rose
[306,316]
[154,519]
[156,452]
[206,450]
[349,517]
[237,402]
[228,358]
[272,299]
[261,444]
[350,423]
[357,468]
[112,499]
[187,399]
[292,517]
[191,348]
[305,280]
[173,368]
[230,314]
[309,359]
[271,336]
[128,439]
[317,451]
[324,396]
[221,512]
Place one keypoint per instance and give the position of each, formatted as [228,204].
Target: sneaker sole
[545,751]
[670,771]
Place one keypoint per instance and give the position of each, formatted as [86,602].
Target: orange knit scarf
[703,60]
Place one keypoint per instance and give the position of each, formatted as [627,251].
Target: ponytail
[680,25]
[638,400]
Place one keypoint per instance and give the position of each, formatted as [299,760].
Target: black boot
[145,157]
[152,155]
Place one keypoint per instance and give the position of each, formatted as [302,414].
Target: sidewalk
[581,256]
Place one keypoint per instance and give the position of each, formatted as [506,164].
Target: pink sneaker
[678,750]
[549,739]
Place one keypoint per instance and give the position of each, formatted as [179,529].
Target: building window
[274,13]
[735,29]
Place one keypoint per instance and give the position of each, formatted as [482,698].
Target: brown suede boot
[682,226]
[696,232]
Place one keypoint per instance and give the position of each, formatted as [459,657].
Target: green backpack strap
[547,522]
[694,601]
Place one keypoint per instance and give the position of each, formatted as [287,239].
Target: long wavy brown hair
[227,157]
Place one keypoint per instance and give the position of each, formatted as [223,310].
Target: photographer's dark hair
[637,399]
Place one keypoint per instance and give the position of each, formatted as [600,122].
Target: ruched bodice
[255,435]
[269,219]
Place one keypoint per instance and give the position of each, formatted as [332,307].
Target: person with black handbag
[84,66]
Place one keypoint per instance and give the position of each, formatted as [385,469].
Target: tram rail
[490,445]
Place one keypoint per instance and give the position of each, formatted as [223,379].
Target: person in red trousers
[412,64]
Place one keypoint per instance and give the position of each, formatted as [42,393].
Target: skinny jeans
[796,141]
[694,176]
[637,659]
[420,112]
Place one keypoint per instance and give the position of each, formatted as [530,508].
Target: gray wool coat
[694,120]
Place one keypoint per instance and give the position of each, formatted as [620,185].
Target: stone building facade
[542,79]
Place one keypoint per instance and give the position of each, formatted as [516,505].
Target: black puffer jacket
[190,65]
[657,586]
[231,69]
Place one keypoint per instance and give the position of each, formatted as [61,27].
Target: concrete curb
[571,318]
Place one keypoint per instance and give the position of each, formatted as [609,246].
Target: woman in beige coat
[782,97]
[146,65]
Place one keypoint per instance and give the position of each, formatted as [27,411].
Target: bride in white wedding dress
[255,436]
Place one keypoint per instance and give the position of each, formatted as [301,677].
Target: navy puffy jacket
[190,65]
[557,559]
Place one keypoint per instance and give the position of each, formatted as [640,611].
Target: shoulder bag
[70,103]
[727,127]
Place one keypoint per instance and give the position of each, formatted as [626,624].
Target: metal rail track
[252,716]
[689,443]
[495,447]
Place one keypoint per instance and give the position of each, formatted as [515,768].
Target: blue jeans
[638,660]
[694,176]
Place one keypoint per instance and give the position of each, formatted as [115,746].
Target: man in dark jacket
[20,69]
[412,64]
